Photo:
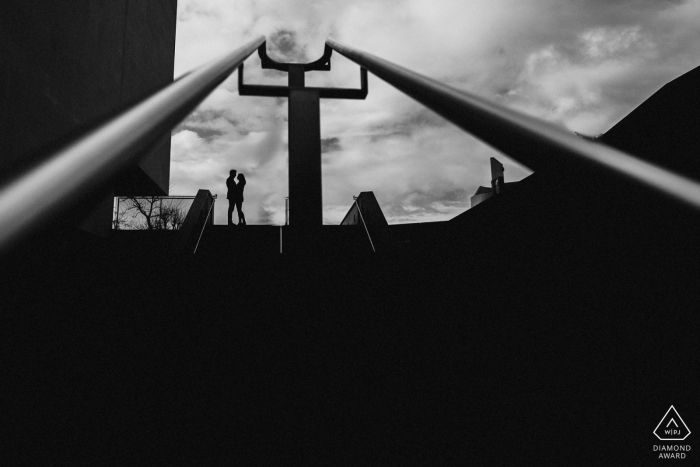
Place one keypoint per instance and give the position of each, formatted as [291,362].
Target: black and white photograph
[349,232]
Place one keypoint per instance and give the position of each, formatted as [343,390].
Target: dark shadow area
[550,323]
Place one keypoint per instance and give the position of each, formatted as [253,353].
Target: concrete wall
[68,64]
[352,217]
[371,211]
[480,198]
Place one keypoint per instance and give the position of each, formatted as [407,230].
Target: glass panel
[150,212]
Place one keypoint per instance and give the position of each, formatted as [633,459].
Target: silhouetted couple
[235,197]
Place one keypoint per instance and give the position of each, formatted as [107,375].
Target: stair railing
[538,144]
[364,223]
[206,221]
[71,174]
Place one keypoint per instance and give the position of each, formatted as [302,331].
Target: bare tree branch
[150,213]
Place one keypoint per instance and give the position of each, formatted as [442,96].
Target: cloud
[284,46]
[271,144]
[581,64]
[268,215]
[330,144]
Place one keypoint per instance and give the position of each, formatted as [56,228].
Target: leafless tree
[149,213]
[171,216]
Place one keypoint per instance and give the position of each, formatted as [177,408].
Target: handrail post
[187,239]
[364,223]
[208,221]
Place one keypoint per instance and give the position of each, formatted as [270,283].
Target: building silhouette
[498,184]
[74,65]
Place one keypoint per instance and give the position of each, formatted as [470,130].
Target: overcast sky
[583,64]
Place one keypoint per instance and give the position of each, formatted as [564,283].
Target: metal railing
[364,223]
[206,221]
[68,176]
[286,210]
[188,237]
[533,142]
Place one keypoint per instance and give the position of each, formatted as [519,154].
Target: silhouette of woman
[239,199]
[231,195]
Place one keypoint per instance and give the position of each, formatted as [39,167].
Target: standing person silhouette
[239,199]
[231,195]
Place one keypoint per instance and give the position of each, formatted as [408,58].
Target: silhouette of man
[231,195]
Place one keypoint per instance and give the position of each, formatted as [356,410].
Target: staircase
[250,241]
[245,240]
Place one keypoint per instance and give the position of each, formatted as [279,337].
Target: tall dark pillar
[305,189]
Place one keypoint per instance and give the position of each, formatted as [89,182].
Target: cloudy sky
[583,64]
